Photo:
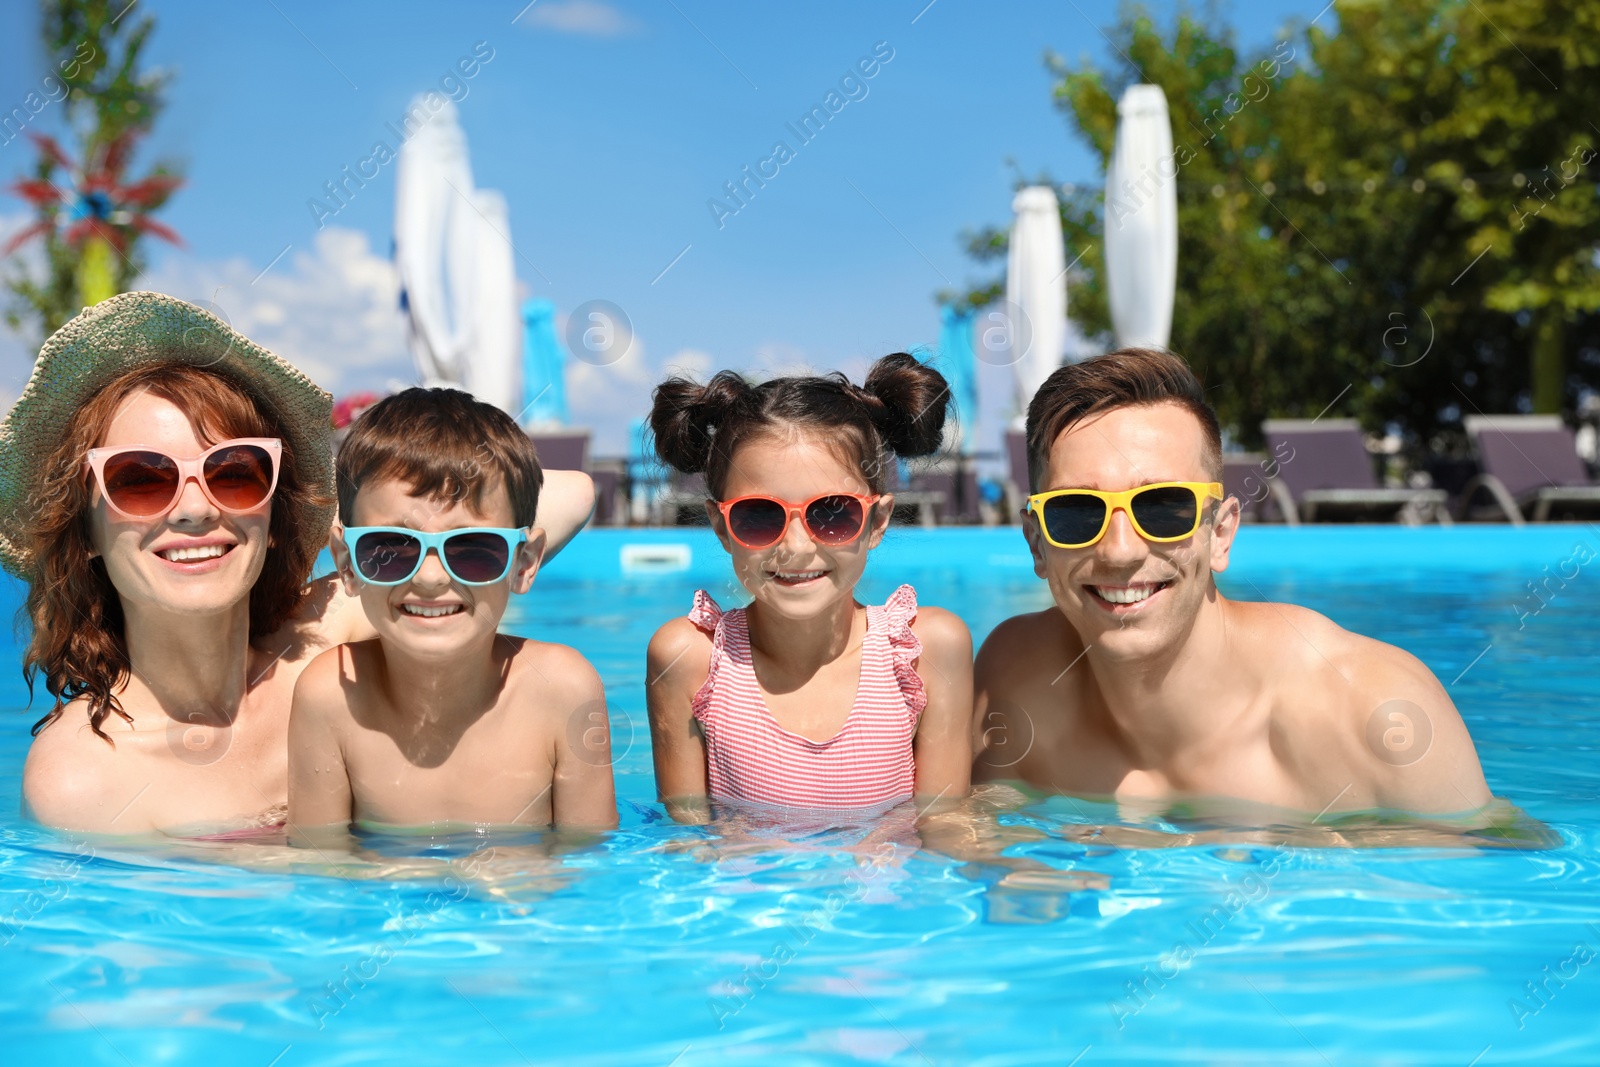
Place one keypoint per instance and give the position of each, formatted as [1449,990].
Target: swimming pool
[643,953]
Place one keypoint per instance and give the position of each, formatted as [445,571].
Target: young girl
[806,698]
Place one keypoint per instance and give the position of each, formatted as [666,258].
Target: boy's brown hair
[447,446]
[1128,377]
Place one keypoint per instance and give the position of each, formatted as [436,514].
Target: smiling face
[797,577]
[1128,597]
[433,616]
[195,559]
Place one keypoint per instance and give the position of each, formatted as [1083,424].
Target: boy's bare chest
[499,769]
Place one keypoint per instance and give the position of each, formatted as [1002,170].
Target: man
[1144,683]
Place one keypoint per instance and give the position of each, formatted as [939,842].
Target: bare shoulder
[1027,643]
[1423,756]
[560,671]
[679,656]
[329,666]
[1379,667]
[1016,669]
[1289,636]
[72,777]
[942,633]
[1379,705]
[677,636]
[323,688]
[1252,621]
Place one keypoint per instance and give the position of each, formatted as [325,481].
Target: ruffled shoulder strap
[709,617]
[705,613]
[905,648]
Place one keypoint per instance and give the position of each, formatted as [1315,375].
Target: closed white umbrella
[430,252]
[1036,290]
[454,257]
[1141,218]
[494,359]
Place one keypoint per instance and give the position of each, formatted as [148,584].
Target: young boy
[440,719]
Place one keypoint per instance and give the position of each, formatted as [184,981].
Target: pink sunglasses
[141,482]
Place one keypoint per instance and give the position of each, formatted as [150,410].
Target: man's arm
[1423,757]
[943,745]
[565,504]
[987,674]
[583,793]
[675,667]
[319,784]
[1021,651]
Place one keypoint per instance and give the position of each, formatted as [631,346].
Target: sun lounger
[562,451]
[1017,473]
[610,491]
[907,494]
[1530,467]
[1328,472]
[569,451]
[683,501]
[1262,497]
[954,482]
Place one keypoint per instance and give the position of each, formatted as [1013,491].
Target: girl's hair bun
[900,411]
[686,414]
[908,401]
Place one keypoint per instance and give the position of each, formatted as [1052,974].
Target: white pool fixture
[656,559]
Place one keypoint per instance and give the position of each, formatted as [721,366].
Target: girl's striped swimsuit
[868,762]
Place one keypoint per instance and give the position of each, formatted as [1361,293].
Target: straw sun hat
[138,330]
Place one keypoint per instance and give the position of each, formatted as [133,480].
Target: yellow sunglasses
[1163,511]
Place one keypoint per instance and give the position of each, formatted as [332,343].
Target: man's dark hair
[1128,377]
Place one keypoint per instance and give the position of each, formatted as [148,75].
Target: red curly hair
[77,642]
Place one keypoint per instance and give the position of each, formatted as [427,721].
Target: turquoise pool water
[643,952]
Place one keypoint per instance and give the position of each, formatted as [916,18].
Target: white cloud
[10,225]
[690,363]
[587,18]
[332,309]
[776,359]
[607,399]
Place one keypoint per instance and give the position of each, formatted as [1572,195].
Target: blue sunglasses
[392,555]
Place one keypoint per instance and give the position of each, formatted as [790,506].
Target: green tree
[90,215]
[1335,192]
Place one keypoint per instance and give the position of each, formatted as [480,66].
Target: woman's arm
[676,665]
[943,745]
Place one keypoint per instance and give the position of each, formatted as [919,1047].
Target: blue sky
[608,126]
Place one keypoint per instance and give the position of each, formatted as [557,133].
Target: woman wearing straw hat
[165,487]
